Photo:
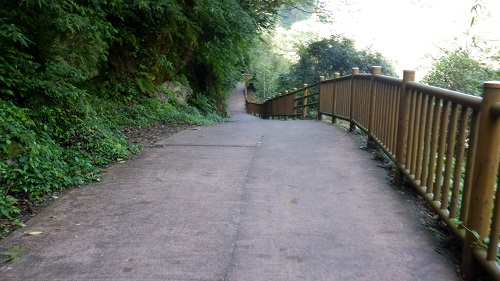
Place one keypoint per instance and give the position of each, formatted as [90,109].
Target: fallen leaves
[32,233]
[13,254]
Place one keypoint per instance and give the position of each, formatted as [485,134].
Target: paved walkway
[249,199]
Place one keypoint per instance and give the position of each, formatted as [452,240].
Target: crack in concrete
[201,145]
[240,213]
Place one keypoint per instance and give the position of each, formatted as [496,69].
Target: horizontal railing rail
[290,104]
[445,143]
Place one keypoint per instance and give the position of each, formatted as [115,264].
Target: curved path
[249,199]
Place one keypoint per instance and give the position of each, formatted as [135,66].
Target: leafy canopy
[266,67]
[330,55]
[457,70]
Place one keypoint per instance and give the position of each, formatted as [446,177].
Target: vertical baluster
[495,226]
[336,76]
[420,138]
[376,70]
[469,170]
[441,149]
[352,100]
[411,131]
[294,102]
[452,132]
[304,102]
[385,118]
[392,121]
[427,141]
[459,161]
[396,112]
[416,133]
[431,171]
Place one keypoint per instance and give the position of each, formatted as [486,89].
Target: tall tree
[266,67]
[330,55]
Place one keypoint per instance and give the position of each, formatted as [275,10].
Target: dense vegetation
[73,74]
[465,68]
[458,70]
[330,55]
[266,68]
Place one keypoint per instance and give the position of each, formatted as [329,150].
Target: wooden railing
[444,142]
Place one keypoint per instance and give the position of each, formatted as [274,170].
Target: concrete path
[249,199]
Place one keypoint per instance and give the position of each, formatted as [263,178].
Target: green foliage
[327,56]
[53,50]
[227,32]
[266,68]
[202,102]
[264,13]
[35,161]
[457,70]
[289,16]
[478,242]
[14,255]
[29,162]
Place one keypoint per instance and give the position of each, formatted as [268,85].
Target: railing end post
[376,70]
[336,76]
[304,102]
[484,170]
[355,70]
[320,116]
[403,119]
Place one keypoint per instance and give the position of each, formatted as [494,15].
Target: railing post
[271,108]
[485,172]
[295,109]
[268,108]
[283,106]
[355,71]
[264,109]
[376,70]
[304,102]
[321,79]
[336,76]
[403,119]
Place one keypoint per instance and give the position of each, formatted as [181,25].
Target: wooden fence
[444,142]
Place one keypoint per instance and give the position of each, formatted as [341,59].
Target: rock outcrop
[179,91]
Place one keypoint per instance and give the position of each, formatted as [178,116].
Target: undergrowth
[39,158]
